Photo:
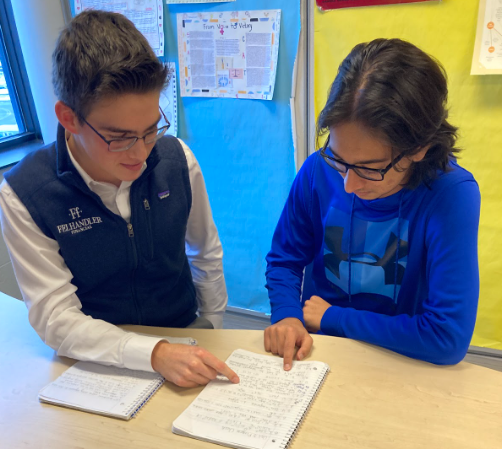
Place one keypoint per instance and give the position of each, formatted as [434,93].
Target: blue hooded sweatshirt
[400,272]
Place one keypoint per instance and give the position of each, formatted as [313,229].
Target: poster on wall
[175,2]
[228,54]
[147,16]
[487,56]
[168,100]
[326,5]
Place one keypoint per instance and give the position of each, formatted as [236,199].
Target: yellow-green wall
[446,30]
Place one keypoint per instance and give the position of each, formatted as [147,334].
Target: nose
[139,150]
[352,182]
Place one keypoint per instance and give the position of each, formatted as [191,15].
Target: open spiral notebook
[263,411]
[105,390]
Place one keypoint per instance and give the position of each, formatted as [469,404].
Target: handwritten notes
[147,16]
[262,411]
[230,54]
[102,389]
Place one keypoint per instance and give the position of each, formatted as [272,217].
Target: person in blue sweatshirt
[381,223]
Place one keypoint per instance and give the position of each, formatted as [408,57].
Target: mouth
[133,167]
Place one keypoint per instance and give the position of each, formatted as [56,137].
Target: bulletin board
[447,31]
[245,149]
[335,4]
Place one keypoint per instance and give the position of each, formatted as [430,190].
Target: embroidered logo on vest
[164,194]
[78,225]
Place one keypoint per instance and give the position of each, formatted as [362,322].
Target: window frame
[17,81]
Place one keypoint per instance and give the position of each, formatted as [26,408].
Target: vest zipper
[146,206]
[130,232]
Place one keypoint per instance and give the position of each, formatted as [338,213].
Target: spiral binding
[144,397]
[320,381]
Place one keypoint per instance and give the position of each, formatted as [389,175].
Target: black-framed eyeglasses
[123,144]
[371,174]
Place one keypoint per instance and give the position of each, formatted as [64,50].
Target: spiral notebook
[263,411]
[105,390]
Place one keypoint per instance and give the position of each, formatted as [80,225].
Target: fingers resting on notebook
[284,337]
[188,366]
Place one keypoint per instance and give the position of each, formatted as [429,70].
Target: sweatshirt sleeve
[442,333]
[292,249]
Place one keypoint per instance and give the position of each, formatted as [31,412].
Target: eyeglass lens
[125,144]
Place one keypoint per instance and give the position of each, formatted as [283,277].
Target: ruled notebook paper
[263,411]
[105,390]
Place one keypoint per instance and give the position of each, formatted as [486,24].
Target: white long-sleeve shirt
[53,304]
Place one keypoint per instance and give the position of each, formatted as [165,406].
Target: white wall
[38,25]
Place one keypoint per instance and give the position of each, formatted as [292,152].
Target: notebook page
[262,411]
[101,389]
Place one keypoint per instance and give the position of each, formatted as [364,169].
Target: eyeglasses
[123,144]
[371,174]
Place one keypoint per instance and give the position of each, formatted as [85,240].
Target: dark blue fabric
[434,271]
[139,276]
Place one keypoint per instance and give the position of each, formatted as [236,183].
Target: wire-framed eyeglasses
[371,174]
[124,143]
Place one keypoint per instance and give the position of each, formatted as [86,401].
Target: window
[18,121]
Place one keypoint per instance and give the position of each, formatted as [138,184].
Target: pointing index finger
[221,367]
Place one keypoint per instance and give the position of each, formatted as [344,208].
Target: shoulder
[309,171]
[452,200]
[174,149]
[311,165]
[34,171]
[453,185]
[170,147]
[454,175]
[189,156]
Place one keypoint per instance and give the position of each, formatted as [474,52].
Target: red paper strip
[336,4]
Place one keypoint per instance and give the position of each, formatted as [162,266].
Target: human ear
[67,118]
[417,157]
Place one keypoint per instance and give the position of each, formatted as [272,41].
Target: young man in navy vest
[111,224]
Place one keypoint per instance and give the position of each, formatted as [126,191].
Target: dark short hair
[100,55]
[400,93]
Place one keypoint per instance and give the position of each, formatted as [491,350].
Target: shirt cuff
[287,312]
[331,322]
[216,319]
[138,350]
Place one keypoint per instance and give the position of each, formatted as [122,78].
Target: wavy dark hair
[400,93]
[99,55]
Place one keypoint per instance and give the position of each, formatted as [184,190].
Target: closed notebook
[105,390]
[263,411]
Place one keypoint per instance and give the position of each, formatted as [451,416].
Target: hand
[313,311]
[282,338]
[188,366]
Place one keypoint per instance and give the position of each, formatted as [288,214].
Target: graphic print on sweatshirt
[373,254]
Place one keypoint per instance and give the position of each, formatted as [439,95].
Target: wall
[447,31]
[245,149]
[38,25]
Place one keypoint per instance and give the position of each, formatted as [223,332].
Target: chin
[367,195]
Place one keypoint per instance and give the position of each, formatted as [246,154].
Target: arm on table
[292,250]
[442,333]
[54,309]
